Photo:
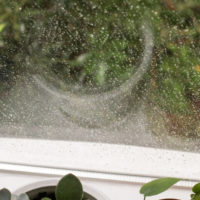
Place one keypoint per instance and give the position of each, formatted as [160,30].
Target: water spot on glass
[119,72]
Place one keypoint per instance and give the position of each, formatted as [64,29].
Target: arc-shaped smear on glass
[102,109]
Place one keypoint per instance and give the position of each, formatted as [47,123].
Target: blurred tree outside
[97,44]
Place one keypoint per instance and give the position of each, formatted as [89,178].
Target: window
[106,72]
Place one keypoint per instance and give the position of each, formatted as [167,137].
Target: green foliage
[69,188]
[158,186]
[65,31]
[178,79]
[99,43]
[5,194]
[2,26]
[196,188]
[195,196]
[21,197]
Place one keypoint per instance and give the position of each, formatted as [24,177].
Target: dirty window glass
[125,72]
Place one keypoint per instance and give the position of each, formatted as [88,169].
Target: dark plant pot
[49,191]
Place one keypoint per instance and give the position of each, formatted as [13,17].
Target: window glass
[125,72]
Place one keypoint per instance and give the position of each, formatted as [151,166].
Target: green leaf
[69,188]
[169,199]
[196,188]
[2,26]
[195,196]
[45,198]
[158,186]
[5,194]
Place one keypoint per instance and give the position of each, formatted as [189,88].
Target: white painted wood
[117,160]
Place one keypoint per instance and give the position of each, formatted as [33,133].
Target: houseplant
[68,188]
[160,185]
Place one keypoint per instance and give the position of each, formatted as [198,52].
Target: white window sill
[120,162]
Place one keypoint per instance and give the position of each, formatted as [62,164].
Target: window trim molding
[96,160]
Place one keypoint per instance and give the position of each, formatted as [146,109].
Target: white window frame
[97,160]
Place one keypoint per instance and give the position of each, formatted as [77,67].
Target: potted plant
[160,185]
[68,188]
